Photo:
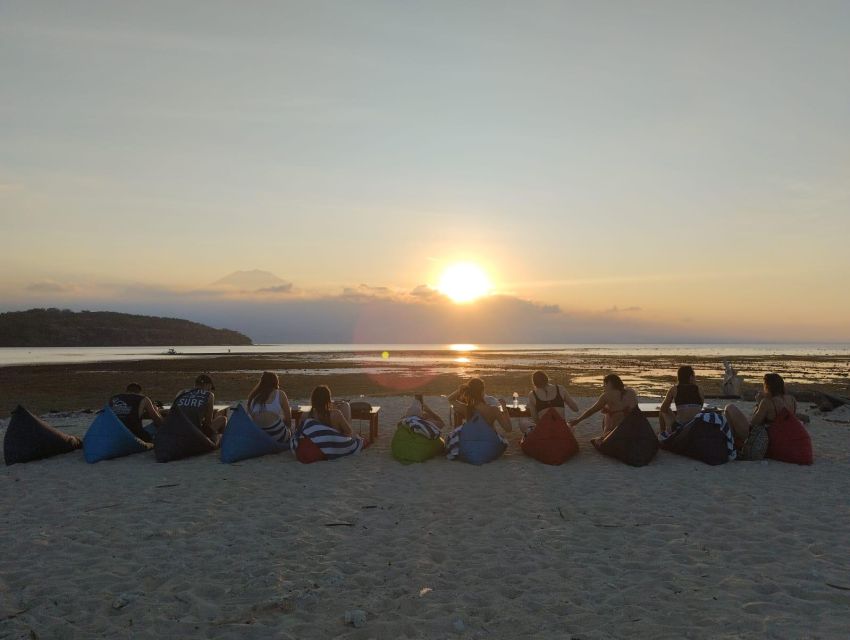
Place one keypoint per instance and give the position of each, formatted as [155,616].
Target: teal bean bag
[243,439]
[107,438]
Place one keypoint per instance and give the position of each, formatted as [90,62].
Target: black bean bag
[178,438]
[29,438]
[633,441]
[706,438]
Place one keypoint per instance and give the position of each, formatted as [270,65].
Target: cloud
[283,288]
[369,314]
[49,286]
[616,309]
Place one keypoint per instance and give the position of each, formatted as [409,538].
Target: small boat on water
[172,352]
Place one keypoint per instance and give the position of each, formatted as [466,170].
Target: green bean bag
[409,446]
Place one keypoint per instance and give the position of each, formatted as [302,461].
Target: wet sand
[69,387]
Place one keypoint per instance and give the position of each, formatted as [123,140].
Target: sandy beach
[271,548]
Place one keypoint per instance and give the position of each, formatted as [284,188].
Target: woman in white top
[269,407]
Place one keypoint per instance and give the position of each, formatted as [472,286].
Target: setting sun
[464,282]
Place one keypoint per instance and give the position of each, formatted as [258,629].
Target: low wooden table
[356,414]
[518,411]
[653,409]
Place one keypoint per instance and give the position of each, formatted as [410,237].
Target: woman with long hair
[753,431]
[473,401]
[616,401]
[325,411]
[269,408]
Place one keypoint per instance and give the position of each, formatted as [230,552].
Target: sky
[622,171]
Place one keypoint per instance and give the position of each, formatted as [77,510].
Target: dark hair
[685,373]
[204,379]
[134,387]
[775,384]
[262,391]
[474,395]
[320,400]
[539,379]
[615,381]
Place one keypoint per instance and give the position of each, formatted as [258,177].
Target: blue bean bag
[179,438]
[29,438]
[107,438]
[632,441]
[243,439]
[479,442]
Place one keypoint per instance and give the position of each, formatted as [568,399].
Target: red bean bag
[788,440]
[551,441]
[308,451]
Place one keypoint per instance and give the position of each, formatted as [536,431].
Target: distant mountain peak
[251,280]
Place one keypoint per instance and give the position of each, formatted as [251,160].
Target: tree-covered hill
[64,328]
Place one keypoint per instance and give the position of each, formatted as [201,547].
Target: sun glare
[464,282]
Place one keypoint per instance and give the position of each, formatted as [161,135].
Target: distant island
[65,328]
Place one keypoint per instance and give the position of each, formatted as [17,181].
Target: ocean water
[415,354]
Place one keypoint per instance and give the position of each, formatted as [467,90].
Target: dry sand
[594,549]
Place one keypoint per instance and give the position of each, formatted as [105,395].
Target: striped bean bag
[707,438]
[315,441]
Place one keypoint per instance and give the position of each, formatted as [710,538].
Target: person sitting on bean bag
[687,397]
[544,396]
[418,436]
[198,406]
[131,407]
[269,408]
[615,403]
[325,433]
[773,431]
[476,440]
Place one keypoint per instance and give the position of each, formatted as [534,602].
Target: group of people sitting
[267,404]
[269,408]
[683,403]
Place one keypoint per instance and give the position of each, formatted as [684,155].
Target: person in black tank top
[132,407]
[537,406]
[687,396]
[197,404]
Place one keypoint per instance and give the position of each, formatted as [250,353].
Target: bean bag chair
[243,439]
[178,438]
[551,441]
[29,438]
[416,440]
[706,438]
[788,440]
[108,437]
[314,442]
[476,442]
[632,441]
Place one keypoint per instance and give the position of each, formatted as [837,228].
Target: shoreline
[77,386]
